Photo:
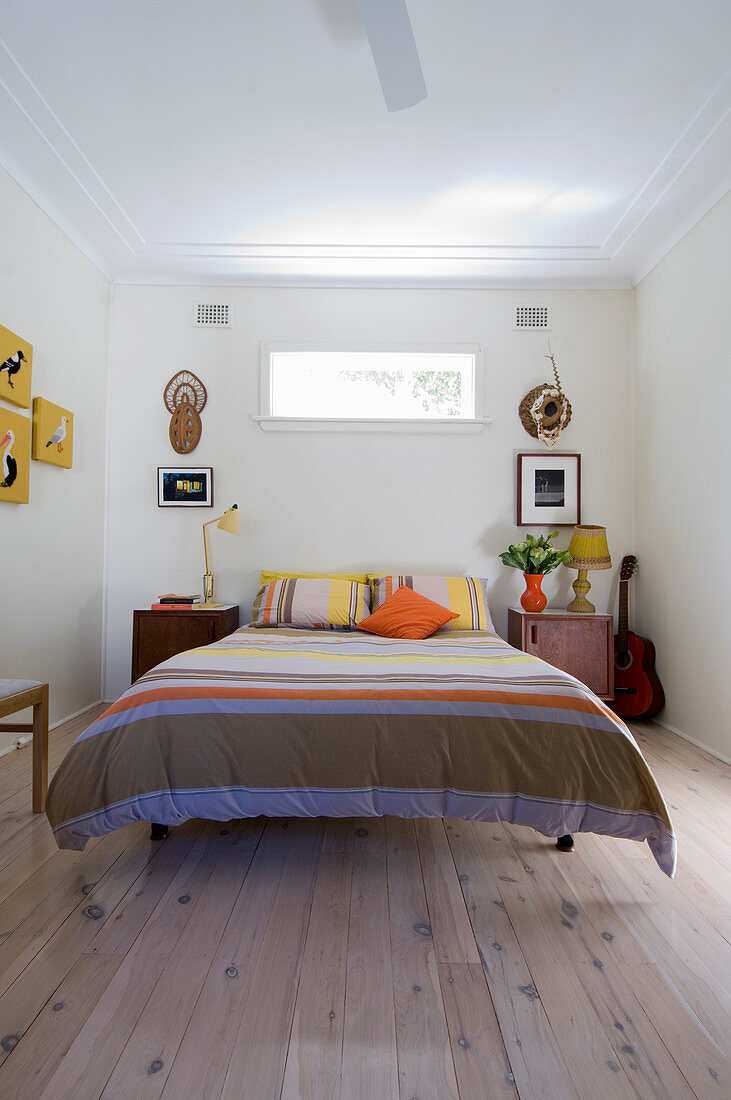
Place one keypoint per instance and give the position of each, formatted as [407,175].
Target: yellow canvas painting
[16,359]
[53,433]
[14,457]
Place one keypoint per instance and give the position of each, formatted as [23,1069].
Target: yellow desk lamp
[229,521]
[589,550]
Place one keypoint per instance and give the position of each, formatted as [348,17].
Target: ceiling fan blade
[394,52]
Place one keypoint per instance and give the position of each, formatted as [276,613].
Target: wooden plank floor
[359,959]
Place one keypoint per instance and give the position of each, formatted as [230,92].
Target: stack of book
[171,602]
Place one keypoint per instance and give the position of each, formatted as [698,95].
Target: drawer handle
[534,634]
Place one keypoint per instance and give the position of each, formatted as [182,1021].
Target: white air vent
[537,318]
[209,315]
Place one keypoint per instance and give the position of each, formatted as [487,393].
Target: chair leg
[40,751]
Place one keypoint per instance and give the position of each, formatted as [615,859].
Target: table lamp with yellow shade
[589,550]
[229,522]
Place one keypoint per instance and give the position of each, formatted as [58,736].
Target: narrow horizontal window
[358,385]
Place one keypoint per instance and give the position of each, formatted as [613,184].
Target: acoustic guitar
[637,691]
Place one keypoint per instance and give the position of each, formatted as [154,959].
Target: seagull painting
[12,366]
[10,466]
[59,435]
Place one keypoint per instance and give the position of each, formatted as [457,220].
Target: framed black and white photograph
[184,487]
[549,490]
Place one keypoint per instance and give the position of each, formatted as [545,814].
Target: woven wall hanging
[185,397]
[545,411]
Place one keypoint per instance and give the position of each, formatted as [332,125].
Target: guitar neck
[623,618]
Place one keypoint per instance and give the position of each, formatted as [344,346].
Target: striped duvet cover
[308,723]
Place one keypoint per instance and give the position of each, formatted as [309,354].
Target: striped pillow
[311,604]
[465,595]
[266,576]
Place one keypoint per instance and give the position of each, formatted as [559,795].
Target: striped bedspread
[308,723]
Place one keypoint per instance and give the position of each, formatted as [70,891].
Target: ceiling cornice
[49,164]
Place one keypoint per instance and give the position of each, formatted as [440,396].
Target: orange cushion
[406,614]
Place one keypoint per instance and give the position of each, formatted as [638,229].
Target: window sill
[327,424]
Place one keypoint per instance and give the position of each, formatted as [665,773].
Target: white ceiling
[562,142]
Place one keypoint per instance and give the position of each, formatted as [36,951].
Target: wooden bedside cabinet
[582,645]
[157,635]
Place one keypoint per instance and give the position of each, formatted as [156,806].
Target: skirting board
[8,742]
[11,741]
[694,741]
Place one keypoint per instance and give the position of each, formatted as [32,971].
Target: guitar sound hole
[623,661]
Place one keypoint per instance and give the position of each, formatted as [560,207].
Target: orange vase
[533,599]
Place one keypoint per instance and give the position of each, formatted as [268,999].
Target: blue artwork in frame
[185,487]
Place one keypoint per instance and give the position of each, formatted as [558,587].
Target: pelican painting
[14,457]
[16,357]
[53,433]
[10,466]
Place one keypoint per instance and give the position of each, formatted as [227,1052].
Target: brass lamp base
[580,603]
[207,587]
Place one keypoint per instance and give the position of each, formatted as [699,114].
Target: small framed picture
[53,433]
[16,361]
[549,490]
[14,457]
[185,487]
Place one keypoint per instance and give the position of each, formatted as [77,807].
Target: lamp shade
[588,548]
[229,521]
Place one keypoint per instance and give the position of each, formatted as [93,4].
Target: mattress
[305,723]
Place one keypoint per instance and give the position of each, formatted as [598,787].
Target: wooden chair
[16,695]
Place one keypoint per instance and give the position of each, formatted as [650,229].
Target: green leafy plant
[439,391]
[535,555]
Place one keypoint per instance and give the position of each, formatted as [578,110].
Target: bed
[296,722]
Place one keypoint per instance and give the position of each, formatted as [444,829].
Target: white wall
[683,458]
[52,548]
[408,503]
[401,502]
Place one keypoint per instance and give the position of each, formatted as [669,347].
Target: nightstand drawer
[582,645]
[157,635]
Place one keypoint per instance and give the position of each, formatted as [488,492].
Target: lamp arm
[208,577]
[205,546]
[205,541]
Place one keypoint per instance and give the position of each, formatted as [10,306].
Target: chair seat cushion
[13,687]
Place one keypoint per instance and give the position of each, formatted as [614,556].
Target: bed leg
[158,832]
[565,843]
